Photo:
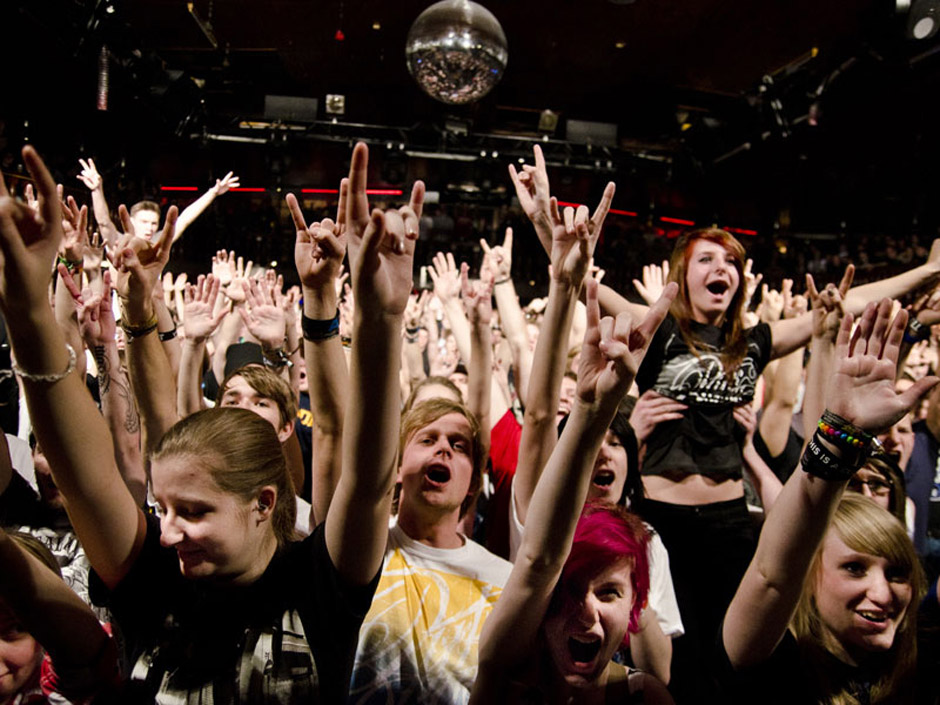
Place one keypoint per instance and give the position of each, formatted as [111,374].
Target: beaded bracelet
[841,432]
[319,329]
[51,377]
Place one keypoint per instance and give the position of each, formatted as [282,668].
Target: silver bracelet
[48,378]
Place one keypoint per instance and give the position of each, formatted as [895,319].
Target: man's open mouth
[438,474]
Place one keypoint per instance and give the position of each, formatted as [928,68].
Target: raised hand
[477,297]
[223,267]
[862,390]
[653,409]
[828,306]
[497,260]
[96,322]
[573,243]
[140,262]
[532,189]
[229,181]
[75,229]
[445,276]
[30,195]
[751,282]
[414,311]
[654,281]
[263,317]
[320,247]
[927,308]
[29,240]
[89,175]
[199,307]
[793,304]
[241,273]
[94,252]
[613,349]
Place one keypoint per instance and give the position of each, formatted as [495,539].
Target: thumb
[912,394]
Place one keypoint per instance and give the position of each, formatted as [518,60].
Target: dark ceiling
[710,98]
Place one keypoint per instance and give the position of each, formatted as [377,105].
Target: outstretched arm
[318,255]
[572,248]
[791,334]
[92,179]
[195,209]
[381,247]
[139,263]
[610,356]
[498,259]
[68,426]
[202,316]
[97,327]
[861,392]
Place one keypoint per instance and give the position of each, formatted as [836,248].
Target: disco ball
[456,51]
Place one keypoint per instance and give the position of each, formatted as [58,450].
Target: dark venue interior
[807,126]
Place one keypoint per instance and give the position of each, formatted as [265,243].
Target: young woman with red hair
[701,365]
[581,576]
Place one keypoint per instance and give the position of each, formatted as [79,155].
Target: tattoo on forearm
[131,417]
[104,369]
[121,389]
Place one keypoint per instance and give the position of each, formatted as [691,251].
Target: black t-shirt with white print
[706,440]
[288,637]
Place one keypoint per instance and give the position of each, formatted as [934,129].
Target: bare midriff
[692,489]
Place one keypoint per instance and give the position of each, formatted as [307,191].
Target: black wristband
[916,331]
[132,332]
[168,335]
[821,463]
[319,329]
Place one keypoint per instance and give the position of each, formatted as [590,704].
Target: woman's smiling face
[712,280]
[861,599]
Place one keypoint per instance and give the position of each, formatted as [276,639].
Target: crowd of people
[353,491]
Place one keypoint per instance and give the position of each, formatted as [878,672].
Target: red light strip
[677,221]
[615,211]
[249,190]
[741,231]
[369,191]
[179,188]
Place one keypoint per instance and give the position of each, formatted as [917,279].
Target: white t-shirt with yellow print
[418,643]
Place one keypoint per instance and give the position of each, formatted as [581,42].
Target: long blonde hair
[867,528]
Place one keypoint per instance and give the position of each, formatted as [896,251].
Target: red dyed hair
[735,345]
[607,533]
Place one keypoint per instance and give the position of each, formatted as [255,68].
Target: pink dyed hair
[607,533]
